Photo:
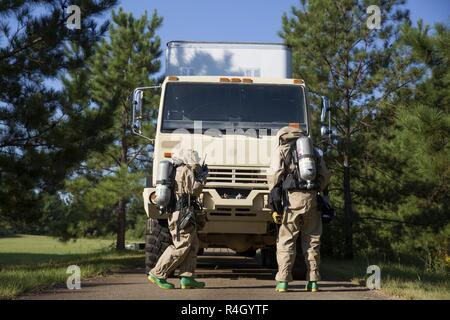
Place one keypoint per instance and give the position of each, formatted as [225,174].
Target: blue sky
[245,20]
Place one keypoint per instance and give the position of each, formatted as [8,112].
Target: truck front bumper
[236,216]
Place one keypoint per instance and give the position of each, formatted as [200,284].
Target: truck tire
[249,253]
[157,239]
[269,257]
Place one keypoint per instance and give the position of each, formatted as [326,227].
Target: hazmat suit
[301,217]
[182,254]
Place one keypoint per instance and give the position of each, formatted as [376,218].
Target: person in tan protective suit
[301,215]
[182,253]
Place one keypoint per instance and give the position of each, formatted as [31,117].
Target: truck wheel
[269,257]
[157,239]
[299,269]
[249,253]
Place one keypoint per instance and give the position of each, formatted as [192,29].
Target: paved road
[228,277]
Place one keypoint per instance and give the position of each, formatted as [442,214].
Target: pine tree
[42,136]
[109,181]
[417,150]
[359,68]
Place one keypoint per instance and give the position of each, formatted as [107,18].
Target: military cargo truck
[226,101]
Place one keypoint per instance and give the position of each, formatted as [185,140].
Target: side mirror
[136,118]
[136,113]
[325,108]
[326,130]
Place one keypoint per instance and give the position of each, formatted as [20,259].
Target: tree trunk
[348,210]
[121,215]
[121,206]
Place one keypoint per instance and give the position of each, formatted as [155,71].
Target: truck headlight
[152,198]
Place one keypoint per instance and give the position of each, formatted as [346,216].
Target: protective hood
[187,156]
[287,134]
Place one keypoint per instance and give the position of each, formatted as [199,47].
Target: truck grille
[236,176]
[228,212]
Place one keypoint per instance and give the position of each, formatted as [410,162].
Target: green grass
[30,263]
[399,280]
[25,249]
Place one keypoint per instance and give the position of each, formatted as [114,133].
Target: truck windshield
[232,106]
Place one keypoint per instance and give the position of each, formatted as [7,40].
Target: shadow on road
[225,264]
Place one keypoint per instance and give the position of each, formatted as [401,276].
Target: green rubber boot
[191,283]
[281,286]
[162,283]
[312,286]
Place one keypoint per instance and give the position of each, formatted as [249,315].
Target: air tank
[164,183]
[306,160]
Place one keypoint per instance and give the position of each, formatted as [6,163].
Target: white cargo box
[185,58]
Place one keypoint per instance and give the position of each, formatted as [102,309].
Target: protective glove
[201,173]
[201,220]
[277,218]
